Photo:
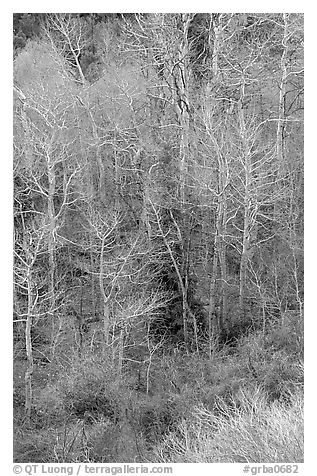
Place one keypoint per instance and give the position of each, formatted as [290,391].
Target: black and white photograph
[158,260]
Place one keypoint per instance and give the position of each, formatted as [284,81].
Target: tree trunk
[219,259]
[51,251]
[105,300]
[213,324]
[120,354]
[145,219]
[99,160]
[29,350]
[247,205]
[221,224]
[281,103]
[223,270]
[181,284]
[215,43]
[219,256]
[92,278]
[181,79]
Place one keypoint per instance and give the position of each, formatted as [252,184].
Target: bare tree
[68,36]
[49,162]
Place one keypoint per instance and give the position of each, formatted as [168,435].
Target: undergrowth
[246,429]
[244,404]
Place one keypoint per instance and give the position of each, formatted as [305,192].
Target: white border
[6,189]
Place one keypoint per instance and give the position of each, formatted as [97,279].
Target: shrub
[277,371]
[281,377]
[88,389]
[288,337]
[48,408]
[249,430]
[154,417]
[34,446]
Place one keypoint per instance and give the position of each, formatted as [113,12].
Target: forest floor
[244,404]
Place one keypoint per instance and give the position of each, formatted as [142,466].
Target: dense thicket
[158,178]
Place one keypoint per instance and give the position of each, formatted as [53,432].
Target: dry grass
[248,430]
